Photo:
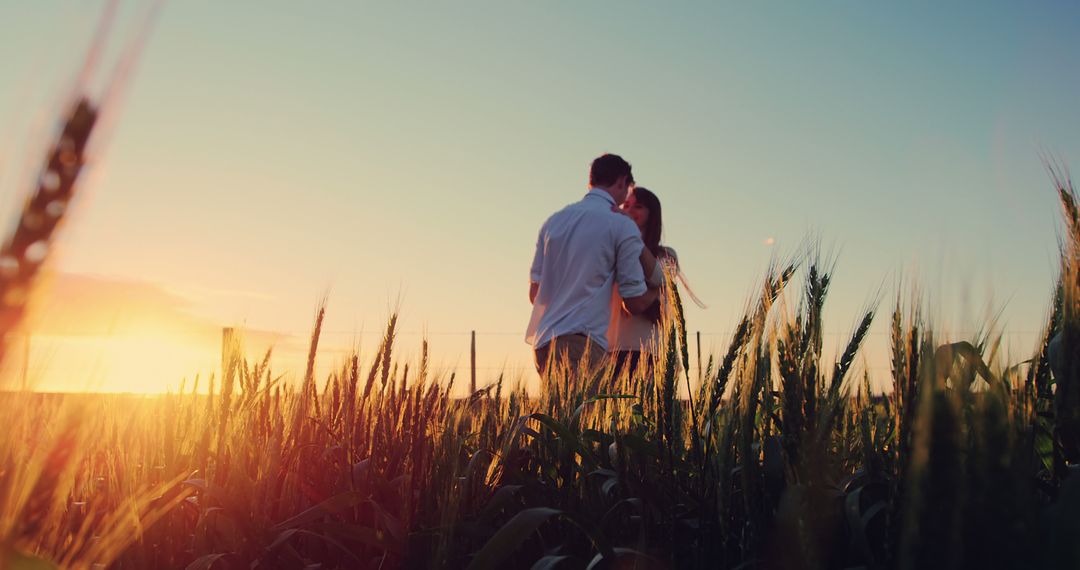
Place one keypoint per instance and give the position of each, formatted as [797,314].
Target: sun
[143,362]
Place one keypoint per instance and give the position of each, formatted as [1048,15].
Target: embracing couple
[597,273]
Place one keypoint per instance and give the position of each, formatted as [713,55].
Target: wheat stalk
[26,250]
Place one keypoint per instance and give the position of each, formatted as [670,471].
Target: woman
[631,335]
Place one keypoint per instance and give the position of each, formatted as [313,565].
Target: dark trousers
[571,349]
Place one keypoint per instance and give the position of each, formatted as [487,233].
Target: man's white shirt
[582,252]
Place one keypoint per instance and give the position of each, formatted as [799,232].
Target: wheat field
[780,458]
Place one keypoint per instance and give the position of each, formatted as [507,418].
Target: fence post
[700,379]
[472,365]
[229,350]
[26,361]
[226,342]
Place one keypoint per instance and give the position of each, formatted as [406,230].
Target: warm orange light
[149,362]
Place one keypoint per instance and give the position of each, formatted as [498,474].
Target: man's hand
[640,304]
[533,288]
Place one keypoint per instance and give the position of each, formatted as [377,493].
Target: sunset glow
[385,173]
[140,362]
[481,285]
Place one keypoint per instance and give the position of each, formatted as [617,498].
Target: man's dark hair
[607,169]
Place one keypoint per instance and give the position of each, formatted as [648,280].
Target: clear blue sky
[267,152]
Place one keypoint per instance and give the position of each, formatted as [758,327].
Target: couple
[597,273]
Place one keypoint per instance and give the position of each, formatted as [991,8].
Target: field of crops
[782,458]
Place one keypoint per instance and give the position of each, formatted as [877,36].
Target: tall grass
[782,457]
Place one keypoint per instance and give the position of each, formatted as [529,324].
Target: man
[583,251]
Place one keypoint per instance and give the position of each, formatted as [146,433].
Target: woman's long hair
[654,225]
[650,234]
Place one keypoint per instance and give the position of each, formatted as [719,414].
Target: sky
[267,155]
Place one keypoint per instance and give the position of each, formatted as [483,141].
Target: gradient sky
[267,153]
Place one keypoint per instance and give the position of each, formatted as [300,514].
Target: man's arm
[654,272]
[641,303]
[629,274]
[536,270]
